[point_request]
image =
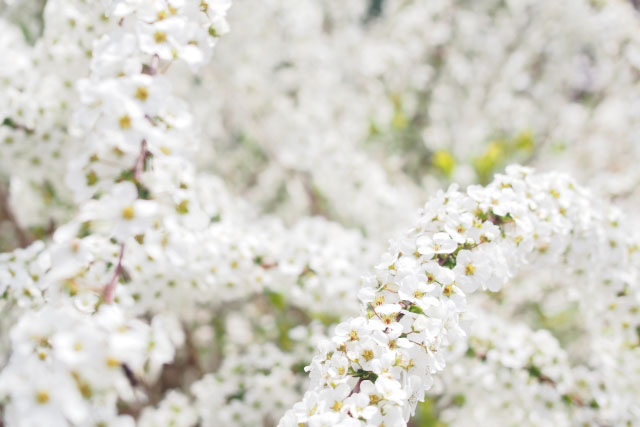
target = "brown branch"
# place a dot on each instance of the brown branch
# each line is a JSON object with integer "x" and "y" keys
{"x": 314, "y": 200}
{"x": 192, "y": 356}
{"x": 24, "y": 238}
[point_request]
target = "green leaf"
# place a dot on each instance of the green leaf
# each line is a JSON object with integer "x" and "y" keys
{"x": 416, "y": 309}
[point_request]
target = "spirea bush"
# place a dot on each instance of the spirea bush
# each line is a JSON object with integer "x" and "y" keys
{"x": 210, "y": 228}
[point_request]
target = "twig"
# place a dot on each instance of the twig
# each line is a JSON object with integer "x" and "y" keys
{"x": 142, "y": 157}
{"x": 356, "y": 388}
{"x": 109, "y": 289}
{"x": 24, "y": 239}
{"x": 18, "y": 126}
{"x": 151, "y": 69}
{"x": 314, "y": 200}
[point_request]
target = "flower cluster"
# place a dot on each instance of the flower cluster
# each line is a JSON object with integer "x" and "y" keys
{"x": 518, "y": 375}
{"x": 74, "y": 356}
{"x": 183, "y": 239}
{"x": 66, "y": 367}
{"x": 377, "y": 366}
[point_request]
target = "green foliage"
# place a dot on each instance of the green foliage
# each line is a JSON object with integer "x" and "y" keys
{"x": 415, "y": 309}
{"x": 444, "y": 162}
{"x": 365, "y": 375}
{"x": 501, "y": 151}
{"x": 374, "y": 10}
{"x": 426, "y": 415}
{"x": 325, "y": 318}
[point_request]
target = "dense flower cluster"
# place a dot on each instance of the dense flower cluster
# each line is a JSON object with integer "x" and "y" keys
{"x": 531, "y": 367}
{"x": 377, "y": 366}
{"x": 182, "y": 239}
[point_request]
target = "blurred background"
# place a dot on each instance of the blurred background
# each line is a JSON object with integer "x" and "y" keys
{"x": 359, "y": 110}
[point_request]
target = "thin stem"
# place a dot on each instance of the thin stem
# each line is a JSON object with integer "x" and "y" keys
{"x": 356, "y": 388}
{"x": 151, "y": 69}
{"x": 110, "y": 288}
{"x": 374, "y": 311}
{"x": 15, "y": 125}
{"x": 139, "y": 166}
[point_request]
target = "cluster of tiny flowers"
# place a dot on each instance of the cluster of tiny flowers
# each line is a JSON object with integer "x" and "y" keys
{"x": 151, "y": 237}
{"x": 590, "y": 301}
{"x": 159, "y": 297}
{"x": 77, "y": 356}
{"x": 259, "y": 377}
{"x": 67, "y": 368}
{"x": 509, "y": 372}
{"x": 175, "y": 410}
{"x": 377, "y": 366}
{"x": 39, "y": 97}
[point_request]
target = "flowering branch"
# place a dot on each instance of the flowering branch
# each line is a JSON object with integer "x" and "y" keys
{"x": 380, "y": 364}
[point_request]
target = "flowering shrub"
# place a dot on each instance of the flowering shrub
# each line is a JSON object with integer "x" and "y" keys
{"x": 199, "y": 237}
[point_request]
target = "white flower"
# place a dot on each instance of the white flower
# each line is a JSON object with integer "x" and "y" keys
{"x": 413, "y": 289}
{"x": 389, "y": 416}
{"x": 459, "y": 227}
{"x": 471, "y": 271}
{"x": 170, "y": 38}
{"x": 359, "y": 406}
{"x": 41, "y": 396}
{"x": 334, "y": 397}
{"x": 121, "y": 211}
{"x": 439, "y": 243}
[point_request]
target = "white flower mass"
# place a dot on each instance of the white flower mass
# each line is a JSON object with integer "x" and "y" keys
{"x": 319, "y": 213}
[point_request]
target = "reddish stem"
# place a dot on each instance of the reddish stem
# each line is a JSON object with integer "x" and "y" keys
{"x": 139, "y": 166}
{"x": 110, "y": 288}
{"x": 151, "y": 69}
{"x": 356, "y": 388}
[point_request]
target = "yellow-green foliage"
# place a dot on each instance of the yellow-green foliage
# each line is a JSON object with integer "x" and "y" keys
{"x": 426, "y": 415}
{"x": 502, "y": 151}
{"x": 444, "y": 162}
